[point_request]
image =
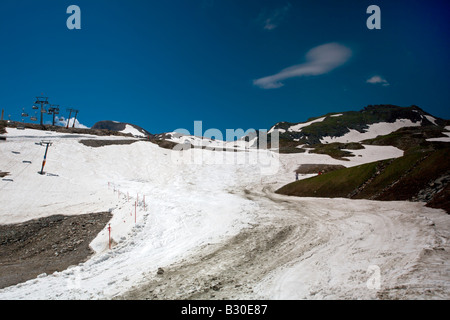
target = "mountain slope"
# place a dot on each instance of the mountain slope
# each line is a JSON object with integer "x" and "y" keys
{"x": 122, "y": 127}
{"x": 422, "y": 174}
{"x": 355, "y": 126}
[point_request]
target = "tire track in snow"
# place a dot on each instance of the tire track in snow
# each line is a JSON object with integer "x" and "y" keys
{"x": 312, "y": 249}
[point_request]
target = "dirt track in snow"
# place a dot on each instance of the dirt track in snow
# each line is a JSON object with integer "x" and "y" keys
{"x": 301, "y": 252}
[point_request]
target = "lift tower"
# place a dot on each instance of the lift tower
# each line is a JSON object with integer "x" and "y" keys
{"x": 53, "y": 109}
{"x": 68, "y": 119}
{"x": 75, "y": 119}
{"x": 43, "y": 101}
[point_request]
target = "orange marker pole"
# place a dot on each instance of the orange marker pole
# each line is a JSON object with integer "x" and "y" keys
{"x": 109, "y": 229}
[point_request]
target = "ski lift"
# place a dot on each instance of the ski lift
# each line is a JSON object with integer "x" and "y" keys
{"x": 24, "y": 114}
{"x": 33, "y": 118}
{"x": 35, "y": 107}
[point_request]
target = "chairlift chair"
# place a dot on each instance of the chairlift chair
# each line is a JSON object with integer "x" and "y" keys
{"x": 24, "y": 114}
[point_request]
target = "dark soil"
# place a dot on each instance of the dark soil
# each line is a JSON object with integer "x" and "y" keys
{"x": 102, "y": 143}
{"x": 46, "y": 245}
{"x": 315, "y": 168}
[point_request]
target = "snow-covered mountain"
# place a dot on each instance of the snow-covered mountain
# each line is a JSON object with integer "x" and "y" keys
{"x": 355, "y": 126}
{"x": 191, "y": 141}
{"x": 126, "y": 128}
{"x": 341, "y": 127}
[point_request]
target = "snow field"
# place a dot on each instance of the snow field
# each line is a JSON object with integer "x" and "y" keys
{"x": 361, "y": 241}
{"x": 135, "y": 132}
{"x": 374, "y": 130}
{"x": 186, "y": 206}
{"x": 199, "y": 197}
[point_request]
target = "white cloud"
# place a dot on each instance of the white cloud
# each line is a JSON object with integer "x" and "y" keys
{"x": 319, "y": 60}
{"x": 272, "y": 20}
{"x": 378, "y": 80}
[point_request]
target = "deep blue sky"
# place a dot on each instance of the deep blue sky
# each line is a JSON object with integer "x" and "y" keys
{"x": 165, "y": 64}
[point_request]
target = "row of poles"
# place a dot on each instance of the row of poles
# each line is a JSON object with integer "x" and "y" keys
{"x": 136, "y": 204}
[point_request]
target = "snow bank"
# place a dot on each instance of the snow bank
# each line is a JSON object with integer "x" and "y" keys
{"x": 363, "y": 250}
{"x": 431, "y": 119}
{"x": 374, "y": 130}
{"x": 187, "y": 205}
{"x": 196, "y": 141}
{"x": 133, "y": 131}
{"x": 298, "y": 127}
{"x": 442, "y": 139}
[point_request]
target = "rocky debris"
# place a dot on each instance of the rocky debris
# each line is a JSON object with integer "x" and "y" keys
{"x": 433, "y": 188}
{"x": 160, "y": 271}
{"x": 46, "y": 245}
{"x": 316, "y": 168}
{"x": 379, "y": 170}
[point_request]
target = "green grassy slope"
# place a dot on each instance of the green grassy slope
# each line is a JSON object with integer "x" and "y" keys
{"x": 338, "y": 183}
{"x": 396, "y": 179}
